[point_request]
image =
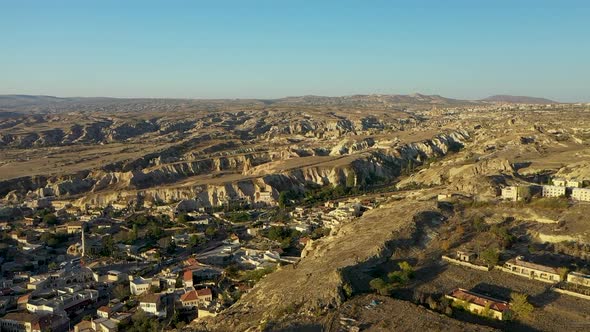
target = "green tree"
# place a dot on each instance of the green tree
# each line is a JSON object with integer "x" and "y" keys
{"x": 50, "y": 219}
{"x": 490, "y": 256}
{"x": 402, "y": 276}
{"x": 380, "y": 286}
{"x": 211, "y": 231}
{"x": 563, "y": 271}
{"x": 348, "y": 291}
{"x": 524, "y": 193}
{"x": 232, "y": 271}
{"x": 520, "y": 306}
{"x": 121, "y": 291}
{"x": 171, "y": 248}
{"x": 283, "y": 199}
{"x": 196, "y": 240}
{"x": 503, "y": 235}
{"x": 182, "y": 218}
{"x": 487, "y": 311}
{"x": 350, "y": 180}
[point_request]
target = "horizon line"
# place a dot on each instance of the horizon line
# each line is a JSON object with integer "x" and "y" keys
{"x": 290, "y": 96}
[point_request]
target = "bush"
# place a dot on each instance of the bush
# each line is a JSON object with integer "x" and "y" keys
{"x": 256, "y": 275}
{"x": 239, "y": 217}
{"x": 520, "y": 306}
{"x": 380, "y": 286}
{"x": 394, "y": 279}
{"x": 347, "y": 288}
{"x": 503, "y": 235}
{"x": 283, "y": 235}
{"x": 50, "y": 219}
{"x": 490, "y": 256}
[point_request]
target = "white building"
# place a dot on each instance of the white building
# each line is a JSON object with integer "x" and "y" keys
{"x": 510, "y": 193}
{"x": 553, "y": 191}
{"x": 571, "y": 183}
{"x": 581, "y": 194}
{"x": 579, "y": 279}
{"x": 66, "y": 299}
{"x": 152, "y": 304}
{"x": 574, "y": 183}
{"x": 139, "y": 285}
{"x": 265, "y": 198}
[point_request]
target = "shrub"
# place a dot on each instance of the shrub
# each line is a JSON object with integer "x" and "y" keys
{"x": 490, "y": 256}
{"x": 520, "y": 306}
{"x": 347, "y": 288}
{"x": 380, "y": 286}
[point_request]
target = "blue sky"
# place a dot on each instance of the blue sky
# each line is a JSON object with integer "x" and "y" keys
{"x": 267, "y": 49}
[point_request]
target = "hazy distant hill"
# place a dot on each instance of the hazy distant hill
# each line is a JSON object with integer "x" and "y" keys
{"x": 49, "y": 104}
{"x": 14, "y": 101}
{"x": 518, "y": 100}
{"x": 366, "y": 100}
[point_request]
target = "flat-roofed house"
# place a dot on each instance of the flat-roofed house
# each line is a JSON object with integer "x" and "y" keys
{"x": 553, "y": 191}
{"x": 75, "y": 227}
{"x": 581, "y": 194}
{"x": 574, "y": 183}
{"x": 466, "y": 255}
{"x": 559, "y": 182}
{"x": 139, "y": 285}
{"x": 578, "y": 278}
{"x": 510, "y": 193}
{"x": 532, "y": 270}
{"x": 28, "y": 322}
{"x": 478, "y": 303}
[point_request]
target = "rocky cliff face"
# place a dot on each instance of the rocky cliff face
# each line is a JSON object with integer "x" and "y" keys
{"x": 159, "y": 182}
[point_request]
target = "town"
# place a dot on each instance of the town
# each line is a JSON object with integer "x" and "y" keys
{"x": 470, "y": 214}
{"x": 125, "y": 267}
{"x": 122, "y": 266}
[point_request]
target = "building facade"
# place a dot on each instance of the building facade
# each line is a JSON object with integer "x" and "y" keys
{"x": 581, "y": 194}
{"x": 152, "y": 304}
{"x": 578, "y": 279}
{"x": 531, "y": 270}
{"x": 139, "y": 285}
{"x": 479, "y": 304}
{"x": 510, "y": 193}
{"x": 553, "y": 191}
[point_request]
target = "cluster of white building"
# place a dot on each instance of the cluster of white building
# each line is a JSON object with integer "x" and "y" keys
{"x": 330, "y": 215}
{"x": 67, "y": 299}
{"x": 258, "y": 259}
{"x": 560, "y": 188}
{"x": 66, "y": 277}
{"x": 524, "y": 268}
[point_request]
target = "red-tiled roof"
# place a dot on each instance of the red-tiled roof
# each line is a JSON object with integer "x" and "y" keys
{"x": 204, "y": 292}
{"x": 188, "y": 275}
{"x": 104, "y": 308}
{"x": 189, "y": 296}
{"x": 24, "y": 298}
{"x": 191, "y": 261}
{"x": 479, "y": 299}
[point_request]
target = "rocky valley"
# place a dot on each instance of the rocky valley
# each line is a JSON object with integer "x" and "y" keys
{"x": 428, "y": 175}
